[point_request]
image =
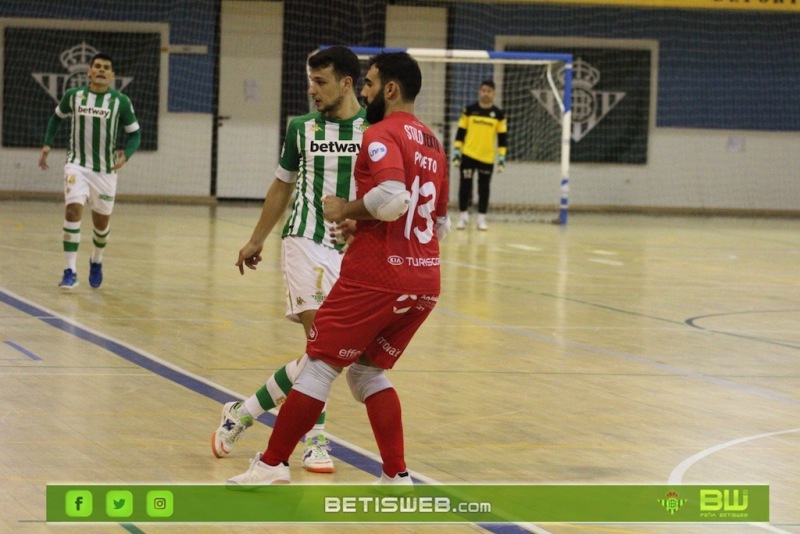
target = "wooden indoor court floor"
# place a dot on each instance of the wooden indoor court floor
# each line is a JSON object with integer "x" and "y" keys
{"x": 620, "y": 349}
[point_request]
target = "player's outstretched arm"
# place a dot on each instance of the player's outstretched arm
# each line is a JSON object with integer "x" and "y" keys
{"x": 43, "y": 158}
{"x": 52, "y": 129}
{"x": 275, "y": 203}
{"x": 336, "y": 209}
{"x": 121, "y": 160}
{"x": 249, "y": 255}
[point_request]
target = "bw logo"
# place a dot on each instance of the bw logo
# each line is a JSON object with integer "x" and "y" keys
{"x": 76, "y": 62}
{"x": 588, "y": 106}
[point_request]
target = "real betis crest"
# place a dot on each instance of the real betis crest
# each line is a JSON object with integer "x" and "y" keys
{"x": 672, "y": 502}
{"x": 76, "y": 63}
{"x": 589, "y": 105}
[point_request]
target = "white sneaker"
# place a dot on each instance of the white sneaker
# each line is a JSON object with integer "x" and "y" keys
{"x": 261, "y": 474}
{"x": 463, "y": 219}
{"x": 400, "y": 479}
{"x": 482, "y": 223}
{"x": 316, "y": 458}
{"x": 230, "y": 430}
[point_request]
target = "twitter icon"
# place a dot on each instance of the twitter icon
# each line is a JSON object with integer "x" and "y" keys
{"x": 119, "y": 503}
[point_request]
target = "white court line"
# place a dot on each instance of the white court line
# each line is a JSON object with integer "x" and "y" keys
{"x": 467, "y": 265}
{"x": 770, "y": 528}
{"x": 607, "y": 262}
{"x": 147, "y": 355}
{"x": 527, "y": 248}
{"x": 676, "y": 477}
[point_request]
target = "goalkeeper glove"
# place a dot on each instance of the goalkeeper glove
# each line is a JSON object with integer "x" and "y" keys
{"x": 501, "y": 164}
{"x": 456, "y": 158}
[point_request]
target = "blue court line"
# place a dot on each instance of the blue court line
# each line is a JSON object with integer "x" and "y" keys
{"x": 23, "y": 350}
{"x": 182, "y": 378}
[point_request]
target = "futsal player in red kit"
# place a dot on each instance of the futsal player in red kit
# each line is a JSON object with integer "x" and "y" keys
{"x": 389, "y": 280}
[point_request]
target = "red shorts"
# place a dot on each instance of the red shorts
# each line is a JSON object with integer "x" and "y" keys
{"x": 355, "y": 320}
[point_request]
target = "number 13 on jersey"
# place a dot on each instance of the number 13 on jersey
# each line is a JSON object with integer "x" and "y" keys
{"x": 424, "y": 210}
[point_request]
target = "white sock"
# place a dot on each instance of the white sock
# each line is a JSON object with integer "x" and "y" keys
{"x": 315, "y": 432}
{"x": 72, "y": 239}
{"x": 99, "y": 239}
{"x": 252, "y": 408}
{"x": 71, "y": 261}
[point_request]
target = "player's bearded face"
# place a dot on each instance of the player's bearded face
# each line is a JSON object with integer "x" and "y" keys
{"x": 376, "y": 108}
{"x": 326, "y": 90}
{"x": 486, "y": 95}
{"x": 332, "y": 105}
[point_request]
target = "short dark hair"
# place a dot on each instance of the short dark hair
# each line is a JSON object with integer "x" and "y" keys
{"x": 489, "y": 83}
{"x": 401, "y": 68}
{"x": 102, "y": 56}
{"x": 343, "y": 60}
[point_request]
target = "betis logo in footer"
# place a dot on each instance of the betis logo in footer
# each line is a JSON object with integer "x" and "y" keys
{"x": 75, "y": 61}
{"x": 672, "y": 502}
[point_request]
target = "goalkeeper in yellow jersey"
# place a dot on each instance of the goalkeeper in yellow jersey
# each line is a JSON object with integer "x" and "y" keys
{"x": 481, "y": 136}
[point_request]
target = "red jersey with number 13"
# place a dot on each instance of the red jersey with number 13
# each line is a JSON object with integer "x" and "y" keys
{"x": 403, "y": 255}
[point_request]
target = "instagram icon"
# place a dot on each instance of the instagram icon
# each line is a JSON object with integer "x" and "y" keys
{"x": 160, "y": 503}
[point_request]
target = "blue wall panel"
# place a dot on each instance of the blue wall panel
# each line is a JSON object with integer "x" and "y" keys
{"x": 717, "y": 69}
{"x": 191, "y": 77}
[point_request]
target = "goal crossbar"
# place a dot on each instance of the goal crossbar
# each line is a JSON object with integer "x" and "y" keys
{"x": 441, "y": 55}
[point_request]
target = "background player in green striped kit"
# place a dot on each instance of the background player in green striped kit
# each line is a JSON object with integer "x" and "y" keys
{"x": 97, "y": 111}
{"x": 317, "y": 159}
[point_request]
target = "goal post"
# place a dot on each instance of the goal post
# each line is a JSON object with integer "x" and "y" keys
{"x": 534, "y": 89}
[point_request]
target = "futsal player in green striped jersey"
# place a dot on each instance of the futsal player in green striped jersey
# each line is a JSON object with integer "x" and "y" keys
{"x": 90, "y": 173}
{"x": 317, "y": 159}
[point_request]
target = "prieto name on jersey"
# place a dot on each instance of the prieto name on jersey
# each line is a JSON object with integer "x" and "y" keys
{"x": 333, "y": 148}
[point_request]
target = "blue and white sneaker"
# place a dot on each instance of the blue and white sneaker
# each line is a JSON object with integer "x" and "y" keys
{"x": 231, "y": 429}
{"x": 95, "y": 274}
{"x": 70, "y": 279}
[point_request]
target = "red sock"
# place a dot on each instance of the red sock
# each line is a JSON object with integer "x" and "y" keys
{"x": 385, "y": 416}
{"x": 298, "y": 414}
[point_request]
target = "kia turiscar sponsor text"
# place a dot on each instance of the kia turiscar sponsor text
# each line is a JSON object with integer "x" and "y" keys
{"x": 412, "y": 261}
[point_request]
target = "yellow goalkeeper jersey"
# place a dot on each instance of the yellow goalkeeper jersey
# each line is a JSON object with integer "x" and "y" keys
{"x": 482, "y": 133}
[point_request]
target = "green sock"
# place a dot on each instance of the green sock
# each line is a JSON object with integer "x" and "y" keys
{"x": 273, "y": 393}
{"x": 245, "y": 416}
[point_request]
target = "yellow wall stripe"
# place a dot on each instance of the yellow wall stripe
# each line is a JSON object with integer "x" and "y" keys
{"x": 791, "y": 6}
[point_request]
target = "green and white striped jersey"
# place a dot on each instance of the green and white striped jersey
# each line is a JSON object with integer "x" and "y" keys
{"x": 95, "y": 124}
{"x": 319, "y": 154}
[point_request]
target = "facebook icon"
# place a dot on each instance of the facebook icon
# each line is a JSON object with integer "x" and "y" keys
{"x": 78, "y": 503}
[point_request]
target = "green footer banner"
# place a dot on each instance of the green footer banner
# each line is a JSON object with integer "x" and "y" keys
{"x": 407, "y": 504}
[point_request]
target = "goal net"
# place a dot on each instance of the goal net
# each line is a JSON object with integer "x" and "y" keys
{"x": 534, "y": 91}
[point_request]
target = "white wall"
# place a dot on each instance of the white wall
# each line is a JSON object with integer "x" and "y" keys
{"x": 708, "y": 169}
{"x": 180, "y": 167}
